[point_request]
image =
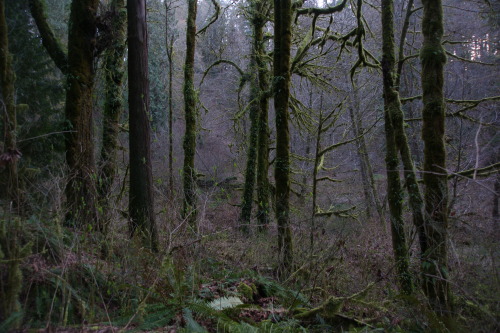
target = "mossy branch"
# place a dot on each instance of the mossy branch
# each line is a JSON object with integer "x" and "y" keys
{"x": 469, "y": 60}
{"x": 332, "y": 306}
{"x": 213, "y": 19}
{"x": 336, "y": 145}
{"x": 224, "y": 61}
{"x": 322, "y": 11}
{"x": 471, "y": 104}
{"x": 338, "y": 213}
{"x": 482, "y": 172}
{"x": 49, "y": 39}
{"x": 329, "y": 179}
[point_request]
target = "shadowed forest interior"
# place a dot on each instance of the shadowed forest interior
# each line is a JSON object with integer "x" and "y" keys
{"x": 249, "y": 165}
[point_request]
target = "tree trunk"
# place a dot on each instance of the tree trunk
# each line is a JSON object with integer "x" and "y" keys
{"x": 81, "y": 194}
{"x": 433, "y": 58}
{"x": 141, "y": 201}
{"x": 258, "y": 73}
{"x": 392, "y": 106}
{"x": 169, "y": 42}
{"x": 369, "y": 188}
{"x": 410, "y": 175}
{"x": 189, "y": 209}
{"x": 494, "y": 210}
{"x": 259, "y": 22}
{"x": 282, "y": 46}
{"x": 7, "y": 81}
{"x": 250, "y": 171}
{"x": 113, "y": 104}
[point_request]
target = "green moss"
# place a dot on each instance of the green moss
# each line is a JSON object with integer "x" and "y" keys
{"x": 247, "y": 290}
{"x": 13, "y": 248}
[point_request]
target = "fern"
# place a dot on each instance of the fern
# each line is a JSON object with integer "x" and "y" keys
{"x": 225, "y": 303}
{"x": 289, "y": 298}
{"x": 157, "y": 315}
{"x": 11, "y": 321}
{"x": 191, "y": 325}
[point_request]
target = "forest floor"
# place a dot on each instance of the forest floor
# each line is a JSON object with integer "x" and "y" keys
{"x": 218, "y": 279}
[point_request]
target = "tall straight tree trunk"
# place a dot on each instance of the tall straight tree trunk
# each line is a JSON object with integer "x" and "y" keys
{"x": 369, "y": 188}
{"x": 410, "y": 175}
{"x": 263, "y": 127}
{"x": 250, "y": 171}
{"x": 7, "y": 81}
{"x": 189, "y": 173}
{"x": 433, "y": 58}
{"x": 394, "y": 190}
{"x": 169, "y": 42}
{"x": 496, "y": 194}
{"x": 256, "y": 95}
{"x": 81, "y": 193}
{"x": 141, "y": 200}
{"x": 113, "y": 104}
{"x": 282, "y": 47}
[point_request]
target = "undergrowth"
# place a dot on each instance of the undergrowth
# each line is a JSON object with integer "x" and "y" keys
{"x": 55, "y": 277}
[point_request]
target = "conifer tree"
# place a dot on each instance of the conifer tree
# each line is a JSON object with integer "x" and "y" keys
{"x": 141, "y": 200}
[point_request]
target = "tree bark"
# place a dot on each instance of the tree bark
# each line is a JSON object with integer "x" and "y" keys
{"x": 433, "y": 58}
{"x": 369, "y": 188}
{"x": 494, "y": 210}
{"x": 259, "y": 22}
{"x": 257, "y": 111}
{"x": 7, "y": 81}
{"x": 410, "y": 175}
{"x": 189, "y": 208}
{"x": 81, "y": 194}
{"x": 250, "y": 171}
{"x": 169, "y": 42}
{"x": 282, "y": 49}
{"x": 141, "y": 200}
{"x": 392, "y": 107}
{"x": 113, "y": 104}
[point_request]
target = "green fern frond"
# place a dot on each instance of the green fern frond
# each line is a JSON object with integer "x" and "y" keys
{"x": 191, "y": 324}
{"x": 157, "y": 315}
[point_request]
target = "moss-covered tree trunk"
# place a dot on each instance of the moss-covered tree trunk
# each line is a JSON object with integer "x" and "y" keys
{"x": 7, "y": 81}
{"x": 113, "y": 104}
{"x": 12, "y": 250}
{"x": 189, "y": 173}
{"x": 250, "y": 171}
{"x": 394, "y": 190}
{"x": 415, "y": 198}
{"x": 141, "y": 200}
{"x": 257, "y": 111}
{"x": 78, "y": 65}
{"x": 169, "y": 43}
{"x": 433, "y": 58}
{"x": 259, "y": 22}
{"x": 496, "y": 197}
{"x": 281, "y": 88}
{"x": 81, "y": 194}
